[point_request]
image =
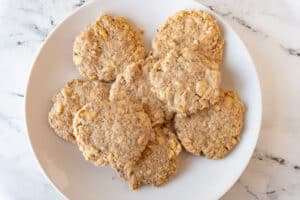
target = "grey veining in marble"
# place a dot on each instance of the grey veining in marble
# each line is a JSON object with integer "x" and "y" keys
{"x": 270, "y": 30}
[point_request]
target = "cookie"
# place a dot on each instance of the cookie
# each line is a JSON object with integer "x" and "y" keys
{"x": 185, "y": 81}
{"x": 195, "y": 29}
{"x": 106, "y": 46}
{"x": 115, "y": 133}
{"x": 158, "y": 162}
{"x": 215, "y": 131}
{"x": 134, "y": 84}
{"x": 69, "y": 100}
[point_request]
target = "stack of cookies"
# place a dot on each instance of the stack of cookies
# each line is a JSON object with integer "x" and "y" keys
{"x": 135, "y": 110}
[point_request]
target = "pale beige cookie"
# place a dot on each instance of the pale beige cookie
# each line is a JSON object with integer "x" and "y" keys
{"x": 106, "y": 46}
{"x": 115, "y": 132}
{"x": 133, "y": 83}
{"x": 69, "y": 100}
{"x": 185, "y": 81}
{"x": 195, "y": 29}
{"x": 158, "y": 162}
{"x": 215, "y": 131}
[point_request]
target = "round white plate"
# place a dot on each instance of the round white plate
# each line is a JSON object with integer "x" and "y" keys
{"x": 198, "y": 178}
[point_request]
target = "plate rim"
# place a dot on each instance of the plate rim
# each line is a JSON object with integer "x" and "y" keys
{"x": 257, "y": 129}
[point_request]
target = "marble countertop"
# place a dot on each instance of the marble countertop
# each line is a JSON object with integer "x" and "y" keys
{"x": 271, "y": 31}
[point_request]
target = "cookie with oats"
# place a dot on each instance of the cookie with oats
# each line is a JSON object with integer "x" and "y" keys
{"x": 185, "y": 81}
{"x": 215, "y": 131}
{"x": 158, "y": 163}
{"x": 106, "y": 46}
{"x": 69, "y": 100}
{"x": 194, "y": 29}
{"x": 115, "y": 133}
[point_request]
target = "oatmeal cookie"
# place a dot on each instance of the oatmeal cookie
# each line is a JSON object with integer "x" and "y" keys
{"x": 106, "y": 46}
{"x": 195, "y": 29}
{"x": 69, "y": 100}
{"x": 185, "y": 81}
{"x": 215, "y": 131}
{"x": 115, "y": 133}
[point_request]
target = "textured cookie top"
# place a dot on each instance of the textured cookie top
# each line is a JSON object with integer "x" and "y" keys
{"x": 158, "y": 162}
{"x": 194, "y": 29}
{"x": 214, "y": 131}
{"x": 115, "y": 132}
{"x": 106, "y": 46}
{"x": 185, "y": 81}
{"x": 69, "y": 100}
{"x": 134, "y": 84}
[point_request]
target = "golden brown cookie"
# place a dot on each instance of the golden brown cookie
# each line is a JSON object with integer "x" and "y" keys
{"x": 185, "y": 81}
{"x": 134, "y": 84}
{"x": 215, "y": 131}
{"x": 115, "y": 132}
{"x": 69, "y": 100}
{"x": 158, "y": 162}
{"x": 106, "y": 46}
{"x": 195, "y": 29}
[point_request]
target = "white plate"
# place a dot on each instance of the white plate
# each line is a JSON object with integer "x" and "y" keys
{"x": 198, "y": 178}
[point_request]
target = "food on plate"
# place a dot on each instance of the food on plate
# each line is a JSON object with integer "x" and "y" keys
{"x": 69, "y": 100}
{"x": 213, "y": 132}
{"x": 137, "y": 110}
{"x": 112, "y": 132}
{"x": 185, "y": 81}
{"x": 194, "y": 29}
{"x": 106, "y": 46}
{"x": 158, "y": 163}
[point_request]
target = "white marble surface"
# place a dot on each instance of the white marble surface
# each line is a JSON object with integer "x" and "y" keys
{"x": 271, "y": 31}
